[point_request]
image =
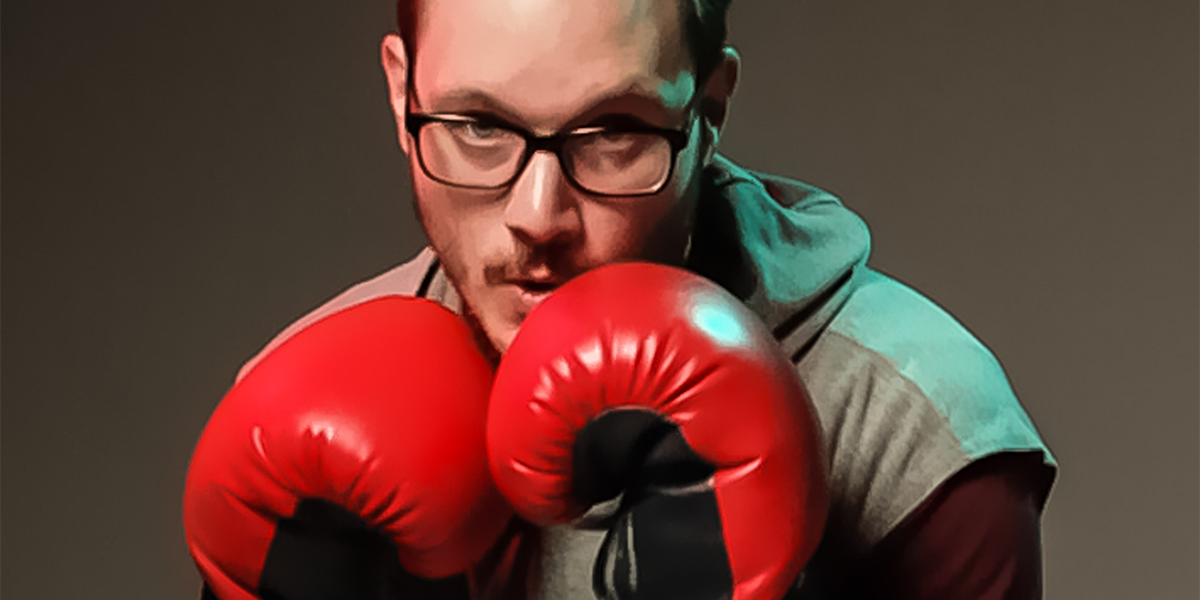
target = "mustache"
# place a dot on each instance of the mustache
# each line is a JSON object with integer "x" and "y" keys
{"x": 527, "y": 264}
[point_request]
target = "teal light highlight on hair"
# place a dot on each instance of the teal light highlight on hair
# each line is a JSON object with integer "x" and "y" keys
{"x": 677, "y": 93}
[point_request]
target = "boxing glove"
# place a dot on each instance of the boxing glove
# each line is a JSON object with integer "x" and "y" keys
{"x": 349, "y": 463}
{"x": 652, "y": 389}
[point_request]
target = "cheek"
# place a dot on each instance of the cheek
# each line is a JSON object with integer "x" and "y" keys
{"x": 654, "y": 228}
{"x": 460, "y": 227}
{"x": 631, "y": 230}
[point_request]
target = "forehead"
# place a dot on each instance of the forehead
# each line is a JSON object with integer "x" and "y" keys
{"x": 546, "y": 60}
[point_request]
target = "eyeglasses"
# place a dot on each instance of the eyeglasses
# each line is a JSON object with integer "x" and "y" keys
{"x": 475, "y": 152}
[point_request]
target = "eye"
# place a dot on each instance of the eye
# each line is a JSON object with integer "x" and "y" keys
{"x": 616, "y": 143}
{"x": 472, "y": 131}
{"x": 614, "y": 140}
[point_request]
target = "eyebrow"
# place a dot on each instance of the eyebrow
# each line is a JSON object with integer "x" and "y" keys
{"x": 631, "y": 101}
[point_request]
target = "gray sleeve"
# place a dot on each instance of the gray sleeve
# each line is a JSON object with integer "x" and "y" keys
{"x": 906, "y": 398}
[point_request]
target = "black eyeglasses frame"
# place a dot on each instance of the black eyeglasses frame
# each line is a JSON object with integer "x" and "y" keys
{"x": 554, "y": 143}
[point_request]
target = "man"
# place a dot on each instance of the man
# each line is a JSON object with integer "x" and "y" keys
{"x": 547, "y": 138}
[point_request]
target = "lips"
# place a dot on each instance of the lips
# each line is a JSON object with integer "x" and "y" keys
{"x": 531, "y": 293}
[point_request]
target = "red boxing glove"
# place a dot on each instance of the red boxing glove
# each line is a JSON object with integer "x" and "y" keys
{"x": 654, "y": 385}
{"x": 354, "y": 450}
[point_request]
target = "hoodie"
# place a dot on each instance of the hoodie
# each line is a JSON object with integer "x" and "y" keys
{"x": 905, "y": 396}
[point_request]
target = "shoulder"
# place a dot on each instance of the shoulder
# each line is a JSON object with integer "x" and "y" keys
{"x": 404, "y": 280}
{"x": 907, "y": 397}
{"x": 927, "y": 350}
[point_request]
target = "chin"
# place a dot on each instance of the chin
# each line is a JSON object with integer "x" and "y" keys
{"x": 501, "y": 336}
{"x": 492, "y": 334}
{"x": 499, "y": 325}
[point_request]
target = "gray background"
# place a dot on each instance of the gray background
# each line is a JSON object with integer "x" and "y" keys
{"x": 181, "y": 179}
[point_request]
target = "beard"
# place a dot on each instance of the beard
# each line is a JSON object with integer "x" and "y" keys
{"x": 482, "y": 341}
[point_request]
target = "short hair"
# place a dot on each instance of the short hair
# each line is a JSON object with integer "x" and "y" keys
{"x": 705, "y": 30}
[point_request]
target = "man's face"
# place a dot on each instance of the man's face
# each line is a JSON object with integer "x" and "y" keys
{"x": 549, "y": 66}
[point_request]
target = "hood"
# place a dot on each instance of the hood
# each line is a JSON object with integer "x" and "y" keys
{"x": 790, "y": 251}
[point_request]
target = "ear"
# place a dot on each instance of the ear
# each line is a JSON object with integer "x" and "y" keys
{"x": 718, "y": 91}
{"x": 395, "y": 67}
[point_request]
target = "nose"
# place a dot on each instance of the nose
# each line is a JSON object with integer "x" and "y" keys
{"x": 541, "y": 209}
